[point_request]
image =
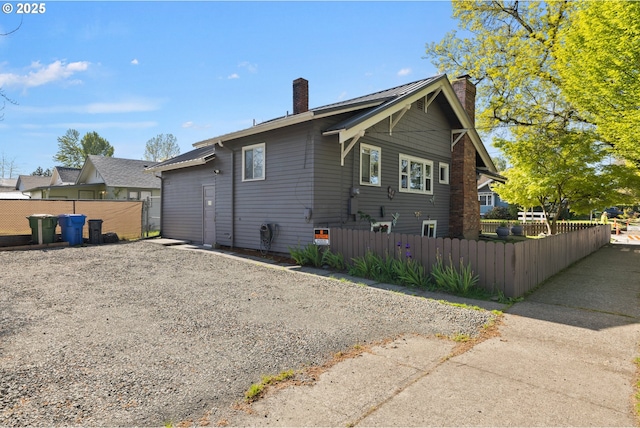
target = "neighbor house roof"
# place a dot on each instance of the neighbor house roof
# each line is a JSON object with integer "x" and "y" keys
{"x": 28, "y": 182}
{"x": 198, "y": 156}
{"x": 66, "y": 175}
{"x": 118, "y": 172}
{"x": 372, "y": 109}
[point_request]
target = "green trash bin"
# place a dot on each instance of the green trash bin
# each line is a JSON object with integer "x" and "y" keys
{"x": 43, "y": 228}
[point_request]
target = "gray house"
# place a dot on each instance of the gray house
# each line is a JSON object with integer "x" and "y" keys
{"x": 405, "y": 158}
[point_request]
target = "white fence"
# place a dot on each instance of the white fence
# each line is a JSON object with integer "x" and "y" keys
{"x": 531, "y": 216}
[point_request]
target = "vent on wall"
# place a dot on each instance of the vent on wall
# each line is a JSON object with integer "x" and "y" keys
{"x": 420, "y": 104}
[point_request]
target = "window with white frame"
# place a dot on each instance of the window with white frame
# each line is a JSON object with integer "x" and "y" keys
{"x": 415, "y": 175}
{"x": 444, "y": 173}
{"x": 253, "y": 162}
{"x": 486, "y": 199}
{"x": 370, "y": 159}
{"x": 429, "y": 228}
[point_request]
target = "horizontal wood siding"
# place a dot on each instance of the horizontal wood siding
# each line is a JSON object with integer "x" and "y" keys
{"x": 511, "y": 268}
{"x": 182, "y": 202}
{"x": 283, "y": 196}
{"x": 418, "y": 134}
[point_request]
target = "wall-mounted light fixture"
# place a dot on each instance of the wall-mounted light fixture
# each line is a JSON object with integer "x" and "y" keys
{"x": 216, "y": 171}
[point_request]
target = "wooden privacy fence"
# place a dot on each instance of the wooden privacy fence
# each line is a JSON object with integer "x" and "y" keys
{"x": 121, "y": 217}
{"x": 513, "y": 268}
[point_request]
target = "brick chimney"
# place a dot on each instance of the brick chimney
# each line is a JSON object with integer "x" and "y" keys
{"x": 300, "y": 95}
{"x": 464, "y": 219}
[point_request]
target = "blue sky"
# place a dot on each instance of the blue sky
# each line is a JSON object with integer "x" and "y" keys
{"x": 133, "y": 70}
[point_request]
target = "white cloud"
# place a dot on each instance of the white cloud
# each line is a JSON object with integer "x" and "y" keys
{"x": 105, "y": 125}
{"x": 44, "y": 74}
{"x": 404, "y": 72}
{"x": 192, "y": 125}
{"x": 135, "y": 61}
{"x": 233, "y": 76}
{"x": 129, "y": 106}
{"x": 122, "y": 107}
{"x": 251, "y": 68}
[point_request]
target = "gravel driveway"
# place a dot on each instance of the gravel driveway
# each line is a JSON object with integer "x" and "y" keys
{"x": 140, "y": 334}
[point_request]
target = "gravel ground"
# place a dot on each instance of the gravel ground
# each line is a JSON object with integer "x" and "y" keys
{"x": 140, "y": 334}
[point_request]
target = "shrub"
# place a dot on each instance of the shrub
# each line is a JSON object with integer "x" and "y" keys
{"x": 498, "y": 213}
{"x": 402, "y": 270}
{"x": 448, "y": 278}
{"x": 333, "y": 260}
{"x": 309, "y": 255}
{"x": 368, "y": 266}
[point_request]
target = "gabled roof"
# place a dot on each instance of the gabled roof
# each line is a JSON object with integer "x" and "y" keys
{"x": 28, "y": 182}
{"x": 118, "y": 172}
{"x": 371, "y": 109}
{"x": 67, "y": 175}
{"x": 198, "y": 156}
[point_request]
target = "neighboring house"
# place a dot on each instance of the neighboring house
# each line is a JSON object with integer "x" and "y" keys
{"x": 26, "y": 184}
{"x": 487, "y": 197}
{"x": 409, "y": 152}
{"x": 64, "y": 176}
{"x": 9, "y": 189}
{"x": 101, "y": 177}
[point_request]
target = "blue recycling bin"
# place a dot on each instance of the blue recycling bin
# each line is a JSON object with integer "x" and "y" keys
{"x": 71, "y": 227}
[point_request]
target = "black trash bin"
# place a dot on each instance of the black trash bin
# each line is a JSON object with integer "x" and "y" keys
{"x": 95, "y": 231}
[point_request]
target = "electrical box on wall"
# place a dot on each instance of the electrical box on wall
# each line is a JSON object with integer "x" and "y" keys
{"x": 353, "y": 206}
{"x": 321, "y": 236}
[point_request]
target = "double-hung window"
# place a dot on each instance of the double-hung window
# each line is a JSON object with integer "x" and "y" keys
{"x": 253, "y": 162}
{"x": 370, "y": 165}
{"x": 416, "y": 175}
{"x": 486, "y": 199}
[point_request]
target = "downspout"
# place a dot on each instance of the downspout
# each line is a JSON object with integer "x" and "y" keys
{"x": 233, "y": 194}
{"x": 233, "y": 199}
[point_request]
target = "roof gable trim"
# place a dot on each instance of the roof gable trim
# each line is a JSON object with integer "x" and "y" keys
{"x": 179, "y": 165}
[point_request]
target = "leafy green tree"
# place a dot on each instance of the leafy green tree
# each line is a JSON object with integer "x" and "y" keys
{"x": 72, "y": 153}
{"x": 510, "y": 56}
{"x": 556, "y": 160}
{"x": 69, "y": 150}
{"x": 42, "y": 172}
{"x": 94, "y": 144}
{"x": 161, "y": 147}
{"x": 568, "y": 172}
{"x": 500, "y": 163}
{"x": 599, "y": 62}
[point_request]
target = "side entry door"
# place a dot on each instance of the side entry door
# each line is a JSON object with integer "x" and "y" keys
{"x": 209, "y": 215}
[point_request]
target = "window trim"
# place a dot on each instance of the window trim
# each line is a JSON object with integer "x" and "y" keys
{"x": 370, "y": 147}
{"x": 264, "y": 161}
{"x": 443, "y": 166}
{"x": 424, "y": 162}
{"x": 435, "y": 227}
{"x": 486, "y": 194}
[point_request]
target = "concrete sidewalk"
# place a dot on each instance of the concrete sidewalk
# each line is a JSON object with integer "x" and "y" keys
{"x": 563, "y": 357}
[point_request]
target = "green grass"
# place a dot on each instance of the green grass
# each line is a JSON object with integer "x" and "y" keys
{"x": 257, "y": 389}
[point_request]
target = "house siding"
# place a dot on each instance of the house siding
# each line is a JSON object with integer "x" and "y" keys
{"x": 303, "y": 172}
{"x": 280, "y": 199}
{"x": 418, "y": 134}
{"x": 182, "y": 202}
